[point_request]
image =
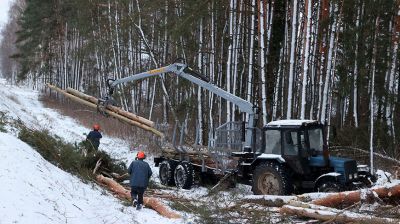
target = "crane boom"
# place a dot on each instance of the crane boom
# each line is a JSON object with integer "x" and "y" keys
{"x": 184, "y": 71}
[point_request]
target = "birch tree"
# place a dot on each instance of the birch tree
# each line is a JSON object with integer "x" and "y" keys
{"x": 261, "y": 20}
{"x": 292, "y": 60}
{"x": 372, "y": 97}
{"x": 305, "y": 58}
{"x": 329, "y": 65}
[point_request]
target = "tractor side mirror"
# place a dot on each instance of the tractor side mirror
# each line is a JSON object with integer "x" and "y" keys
{"x": 325, "y": 154}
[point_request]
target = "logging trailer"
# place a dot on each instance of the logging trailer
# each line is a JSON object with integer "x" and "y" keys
{"x": 283, "y": 157}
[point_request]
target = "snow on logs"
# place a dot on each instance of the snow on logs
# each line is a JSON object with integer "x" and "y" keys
{"x": 350, "y": 197}
{"x": 150, "y": 202}
{"x": 325, "y": 208}
{"x": 331, "y": 214}
{"x": 113, "y": 111}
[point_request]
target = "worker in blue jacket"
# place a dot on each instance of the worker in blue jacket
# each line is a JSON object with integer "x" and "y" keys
{"x": 140, "y": 173}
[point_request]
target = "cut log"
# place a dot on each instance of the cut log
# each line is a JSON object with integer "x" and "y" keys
{"x": 108, "y": 111}
{"x": 110, "y": 107}
{"x": 332, "y": 215}
{"x": 351, "y": 197}
{"x": 150, "y": 202}
{"x": 197, "y": 157}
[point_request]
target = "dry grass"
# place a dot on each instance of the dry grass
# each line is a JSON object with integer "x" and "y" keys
{"x": 109, "y": 126}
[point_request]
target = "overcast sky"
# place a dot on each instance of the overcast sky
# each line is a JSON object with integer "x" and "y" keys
{"x": 4, "y": 6}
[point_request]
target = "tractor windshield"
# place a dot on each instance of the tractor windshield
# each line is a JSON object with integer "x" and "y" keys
{"x": 316, "y": 139}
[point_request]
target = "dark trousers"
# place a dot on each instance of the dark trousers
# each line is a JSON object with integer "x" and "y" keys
{"x": 137, "y": 193}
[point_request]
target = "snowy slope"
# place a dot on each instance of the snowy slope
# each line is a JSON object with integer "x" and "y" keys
{"x": 22, "y": 103}
{"x": 35, "y": 191}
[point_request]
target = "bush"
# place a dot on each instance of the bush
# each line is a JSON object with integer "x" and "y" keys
{"x": 69, "y": 157}
{"x": 108, "y": 164}
{"x": 47, "y": 145}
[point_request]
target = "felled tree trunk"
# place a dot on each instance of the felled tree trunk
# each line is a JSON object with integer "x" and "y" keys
{"x": 108, "y": 111}
{"x": 330, "y": 214}
{"x": 110, "y": 107}
{"x": 351, "y": 197}
{"x": 150, "y": 202}
{"x": 271, "y": 200}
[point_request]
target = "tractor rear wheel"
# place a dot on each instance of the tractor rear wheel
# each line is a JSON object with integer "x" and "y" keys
{"x": 166, "y": 172}
{"x": 183, "y": 175}
{"x": 271, "y": 178}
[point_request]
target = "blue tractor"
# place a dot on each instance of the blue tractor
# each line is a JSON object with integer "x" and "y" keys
{"x": 293, "y": 157}
{"x": 286, "y": 157}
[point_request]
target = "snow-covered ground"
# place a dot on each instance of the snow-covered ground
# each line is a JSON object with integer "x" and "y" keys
{"x": 33, "y": 190}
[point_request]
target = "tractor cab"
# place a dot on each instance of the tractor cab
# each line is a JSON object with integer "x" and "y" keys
{"x": 300, "y": 147}
{"x": 297, "y": 141}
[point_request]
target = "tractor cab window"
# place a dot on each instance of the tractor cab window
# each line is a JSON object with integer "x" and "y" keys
{"x": 290, "y": 142}
{"x": 273, "y": 142}
{"x": 316, "y": 139}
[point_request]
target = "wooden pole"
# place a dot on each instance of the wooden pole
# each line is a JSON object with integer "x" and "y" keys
{"x": 108, "y": 111}
{"x": 112, "y": 108}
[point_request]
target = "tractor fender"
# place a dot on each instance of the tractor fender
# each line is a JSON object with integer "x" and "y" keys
{"x": 276, "y": 157}
{"x": 267, "y": 157}
{"x": 331, "y": 175}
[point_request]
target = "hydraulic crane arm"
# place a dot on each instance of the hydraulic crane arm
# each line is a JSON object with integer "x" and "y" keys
{"x": 182, "y": 70}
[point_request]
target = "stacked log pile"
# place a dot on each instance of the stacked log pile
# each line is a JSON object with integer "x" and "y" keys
{"x": 197, "y": 157}
{"x": 351, "y": 197}
{"x": 110, "y": 110}
{"x": 331, "y": 214}
{"x": 325, "y": 208}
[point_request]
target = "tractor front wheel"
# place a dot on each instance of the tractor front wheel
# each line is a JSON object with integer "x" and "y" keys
{"x": 367, "y": 179}
{"x": 329, "y": 186}
{"x": 271, "y": 178}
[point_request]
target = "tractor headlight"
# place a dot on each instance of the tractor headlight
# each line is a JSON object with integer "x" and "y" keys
{"x": 355, "y": 175}
{"x": 350, "y": 176}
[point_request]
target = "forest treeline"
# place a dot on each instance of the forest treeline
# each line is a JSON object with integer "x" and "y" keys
{"x": 335, "y": 61}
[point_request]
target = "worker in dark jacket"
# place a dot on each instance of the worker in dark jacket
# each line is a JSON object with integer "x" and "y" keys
{"x": 95, "y": 136}
{"x": 140, "y": 174}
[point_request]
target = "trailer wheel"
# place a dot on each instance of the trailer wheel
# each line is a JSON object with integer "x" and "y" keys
{"x": 271, "y": 178}
{"x": 183, "y": 175}
{"x": 166, "y": 173}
